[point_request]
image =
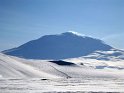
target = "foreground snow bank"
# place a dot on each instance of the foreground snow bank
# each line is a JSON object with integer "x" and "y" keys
{"x": 10, "y": 67}
{"x": 23, "y": 68}
{"x": 71, "y": 85}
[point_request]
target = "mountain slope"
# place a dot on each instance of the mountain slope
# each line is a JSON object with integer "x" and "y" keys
{"x": 61, "y": 46}
{"x": 10, "y": 67}
{"x": 13, "y": 67}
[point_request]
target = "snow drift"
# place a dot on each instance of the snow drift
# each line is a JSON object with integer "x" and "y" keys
{"x": 22, "y": 68}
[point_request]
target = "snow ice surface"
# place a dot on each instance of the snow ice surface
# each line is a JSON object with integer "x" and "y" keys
{"x": 19, "y": 75}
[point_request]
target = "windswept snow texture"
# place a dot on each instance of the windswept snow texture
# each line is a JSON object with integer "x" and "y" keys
{"x": 10, "y": 67}
{"x": 23, "y": 68}
{"x": 61, "y": 46}
{"x": 19, "y": 75}
{"x": 71, "y": 85}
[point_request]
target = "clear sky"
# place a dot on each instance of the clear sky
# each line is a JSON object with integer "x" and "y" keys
{"x": 25, "y": 20}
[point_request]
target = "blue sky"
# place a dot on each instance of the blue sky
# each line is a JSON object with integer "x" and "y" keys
{"x": 25, "y": 20}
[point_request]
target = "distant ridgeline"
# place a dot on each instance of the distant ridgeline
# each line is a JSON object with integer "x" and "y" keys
{"x": 60, "y": 46}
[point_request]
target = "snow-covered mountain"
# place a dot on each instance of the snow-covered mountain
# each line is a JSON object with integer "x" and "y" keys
{"x": 86, "y": 63}
{"x": 66, "y": 45}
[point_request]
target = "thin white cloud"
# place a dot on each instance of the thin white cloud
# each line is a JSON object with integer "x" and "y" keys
{"x": 116, "y": 40}
{"x": 112, "y": 36}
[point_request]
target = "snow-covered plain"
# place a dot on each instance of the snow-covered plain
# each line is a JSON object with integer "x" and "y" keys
{"x": 19, "y": 75}
{"x": 76, "y": 85}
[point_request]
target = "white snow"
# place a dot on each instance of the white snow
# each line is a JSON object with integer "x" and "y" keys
{"x": 93, "y": 63}
{"x": 111, "y": 55}
{"x": 72, "y": 85}
{"x": 17, "y": 67}
{"x": 0, "y": 76}
{"x": 19, "y": 75}
{"x": 10, "y": 67}
{"x": 76, "y": 33}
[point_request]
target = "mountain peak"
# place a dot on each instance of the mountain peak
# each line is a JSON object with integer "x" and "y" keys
{"x": 66, "y": 45}
{"x": 72, "y": 33}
